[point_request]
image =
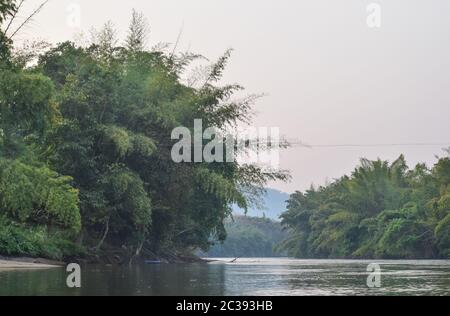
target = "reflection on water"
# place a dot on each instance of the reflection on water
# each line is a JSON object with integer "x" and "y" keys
{"x": 245, "y": 277}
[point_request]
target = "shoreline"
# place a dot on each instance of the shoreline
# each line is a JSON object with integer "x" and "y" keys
{"x": 27, "y": 263}
{"x": 12, "y": 263}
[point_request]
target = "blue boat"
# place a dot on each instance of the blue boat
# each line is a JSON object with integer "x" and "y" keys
{"x": 153, "y": 262}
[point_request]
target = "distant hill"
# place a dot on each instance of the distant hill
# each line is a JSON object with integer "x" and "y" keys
{"x": 249, "y": 237}
{"x": 274, "y": 204}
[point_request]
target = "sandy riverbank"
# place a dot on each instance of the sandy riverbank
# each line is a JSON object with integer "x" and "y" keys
{"x": 27, "y": 263}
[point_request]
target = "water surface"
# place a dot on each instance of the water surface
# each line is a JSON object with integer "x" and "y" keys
{"x": 263, "y": 277}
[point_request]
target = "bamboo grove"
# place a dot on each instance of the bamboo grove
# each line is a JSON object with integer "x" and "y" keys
{"x": 85, "y": 164}
{"x": 381, "y": 211}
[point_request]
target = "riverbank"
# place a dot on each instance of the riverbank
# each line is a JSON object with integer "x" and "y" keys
{"x": 113, "y": 256}
{"x": 105, "y": 258}
{"x": 27, "y": 263}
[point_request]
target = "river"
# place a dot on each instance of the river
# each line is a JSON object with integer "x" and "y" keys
{"x": 259, "y": 277}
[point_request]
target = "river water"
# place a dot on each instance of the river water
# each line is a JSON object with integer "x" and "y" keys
{"x": 254, "y": 277}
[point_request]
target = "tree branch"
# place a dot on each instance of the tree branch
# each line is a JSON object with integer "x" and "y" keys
{"x": 13, "y": 17}
{"x": 29, "y": 18}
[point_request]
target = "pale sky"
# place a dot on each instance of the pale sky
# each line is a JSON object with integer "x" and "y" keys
{"x": 329, "y": 78}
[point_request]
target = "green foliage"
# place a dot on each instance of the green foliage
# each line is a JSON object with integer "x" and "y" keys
{"x": 34, "y": 199}
{"x": 85, "y": 149}
{"x": 38, "y": 194}
{"x": 382, "y": 211}
{"x": 30, "y": 110}
{"x": 128, "y": 200}
{"x": 124, "y": 143}
{"x": 7, "y": 7}
{"x": 442, "y": 233}
{"x": 35, "y": 241}
{"x": 219, "y": 186}
{"x": 137, "y": 33}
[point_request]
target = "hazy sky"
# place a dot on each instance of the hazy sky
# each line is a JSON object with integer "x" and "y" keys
{"x": 330, "y": 79}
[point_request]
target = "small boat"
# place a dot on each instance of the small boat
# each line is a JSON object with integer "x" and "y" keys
{"x": 153, "y": 262}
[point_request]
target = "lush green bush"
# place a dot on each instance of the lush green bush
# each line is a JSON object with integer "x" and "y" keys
{"x": 20, "y": 240}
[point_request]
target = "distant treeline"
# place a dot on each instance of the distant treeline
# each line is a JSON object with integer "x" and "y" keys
{"x": 381, "y": 211}
{"x": 85, "y": 148}
{"x": 250, "y": 237}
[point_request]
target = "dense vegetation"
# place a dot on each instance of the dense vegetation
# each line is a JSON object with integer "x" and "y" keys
{"x": 86, "y": 168}
{"x": 85, "y": 149}
{"x": 250, "y": 237}
{"x": 381, "y": 211}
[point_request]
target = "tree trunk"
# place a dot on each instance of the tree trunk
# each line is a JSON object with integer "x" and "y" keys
{"x": 105, "y": 234}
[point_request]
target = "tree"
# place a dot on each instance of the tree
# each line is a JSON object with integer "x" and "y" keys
{"x": 34, "y": 199}
{"x": 119, "y": 106}
{"x": 86, "y": 140}
{"x": 382, "y": 211}
{"x": 7, "y": 8}
{"x": 137, "y": 33}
